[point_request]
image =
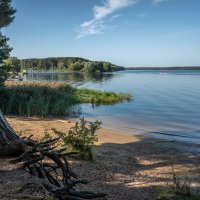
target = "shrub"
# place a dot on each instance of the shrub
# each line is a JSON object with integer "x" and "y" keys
{"x": 81, "y": 137}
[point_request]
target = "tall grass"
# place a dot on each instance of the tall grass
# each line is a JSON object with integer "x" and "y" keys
{"x": 37, "y": 99}
{"x": 41, "y": 99}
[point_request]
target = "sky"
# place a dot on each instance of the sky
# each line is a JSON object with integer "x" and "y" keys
{"x": 130, "y": 33}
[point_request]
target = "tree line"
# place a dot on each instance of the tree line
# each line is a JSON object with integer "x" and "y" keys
{"x": 67, "y": 64}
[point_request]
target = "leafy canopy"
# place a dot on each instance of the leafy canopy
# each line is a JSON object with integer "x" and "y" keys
{"x": 14, "y": 64}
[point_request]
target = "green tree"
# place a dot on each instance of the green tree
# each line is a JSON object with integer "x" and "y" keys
{"x": 68, "y": 64}
{"x": 89, "y": 67}
{"x": 107, "y": 67}
{"x": 14, "y": 64}
{"x": 4, "y": 53}
{"x": 77, "y": 66}
{"x": 61, "y": 64}
{"x": 6, "y": 17}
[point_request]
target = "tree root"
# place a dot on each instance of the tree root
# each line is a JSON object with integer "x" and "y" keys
{"x": 32, "y": 156}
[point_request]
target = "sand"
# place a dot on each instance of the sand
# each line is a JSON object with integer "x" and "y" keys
{"x": 127, "y": 166}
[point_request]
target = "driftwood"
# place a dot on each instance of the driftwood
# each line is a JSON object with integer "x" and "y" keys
{"x": 44, "y": 161}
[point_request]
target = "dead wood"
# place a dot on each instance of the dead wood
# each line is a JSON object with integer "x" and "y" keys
{"x": 43, "y": 160}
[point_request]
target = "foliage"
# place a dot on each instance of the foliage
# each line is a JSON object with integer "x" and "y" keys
{"x": 6, "y": 17}
{"x": 81, "y": 137}
{"x": 77, "y": 66}
{"x": 14, "y": 64}
{"x": 97, "y": 97}
{"x": 6, "y": 13}
{"x": 37, "y": 99}
{"x": 41, "y": 99}
{"x": 67, "y": 64}
{"x": 3, "y": 74}
{"x": 4, "y": 48}
{"x": 4, "y": 53}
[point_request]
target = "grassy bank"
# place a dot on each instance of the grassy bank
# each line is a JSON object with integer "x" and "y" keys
{"x": 41, "y": 99}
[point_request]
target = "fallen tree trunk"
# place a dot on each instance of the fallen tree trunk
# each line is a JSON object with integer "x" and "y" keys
{"x": 44, "y": 161}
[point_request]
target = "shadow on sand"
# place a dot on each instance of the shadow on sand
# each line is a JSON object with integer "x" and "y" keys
{"x": 131, "y": 171}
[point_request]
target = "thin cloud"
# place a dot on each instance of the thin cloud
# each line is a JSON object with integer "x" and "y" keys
{"x": 114, "y": 17}
{"x": 100, "y": 21}
{"x": 109, "y": 7}
{"x": 98, "y": 24}
{"x": 159, "y": 1}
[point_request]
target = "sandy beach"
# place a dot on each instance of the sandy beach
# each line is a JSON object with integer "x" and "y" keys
{"x": 126, "y": 166}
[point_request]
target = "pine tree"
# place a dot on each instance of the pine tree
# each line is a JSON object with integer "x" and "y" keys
{"x": 6, "y": 17}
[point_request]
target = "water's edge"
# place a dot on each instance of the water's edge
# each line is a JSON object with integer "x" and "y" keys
{"x": 166, "y": 103}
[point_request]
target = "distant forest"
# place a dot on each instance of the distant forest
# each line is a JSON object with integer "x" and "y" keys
{"x": 164, "y": 68}
{"x": 67, "y": 64}
{"x": 63, "y": 64}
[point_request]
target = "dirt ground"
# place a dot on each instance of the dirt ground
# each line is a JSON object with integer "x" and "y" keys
{"x": 126, "y": 166}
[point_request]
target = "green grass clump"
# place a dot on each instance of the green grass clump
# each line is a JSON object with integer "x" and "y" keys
{"x": 41, "y": 99}
{"x": 101, "y": 97}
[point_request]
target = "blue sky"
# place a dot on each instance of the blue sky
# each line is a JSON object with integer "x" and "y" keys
{"x": 124, "y": 32}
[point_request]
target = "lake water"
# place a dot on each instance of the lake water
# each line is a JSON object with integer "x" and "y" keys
{"x": 166, "y": 104}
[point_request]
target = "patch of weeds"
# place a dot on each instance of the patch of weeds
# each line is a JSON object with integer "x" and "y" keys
{"x": 168, "y": 193}
{"x": 179, "y": 189}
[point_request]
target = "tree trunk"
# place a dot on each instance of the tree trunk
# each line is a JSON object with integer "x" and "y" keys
{"x": 7, "y": 134}
{"x": 10, "y": 142}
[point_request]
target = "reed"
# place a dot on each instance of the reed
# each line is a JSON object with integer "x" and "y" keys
{"x": 50, "y": 98}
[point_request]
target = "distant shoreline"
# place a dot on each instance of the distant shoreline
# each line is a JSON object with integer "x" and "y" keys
{"x": 125, "y": 69}
{"x": 76, "y": 64}
{"x": 163, "y": 68}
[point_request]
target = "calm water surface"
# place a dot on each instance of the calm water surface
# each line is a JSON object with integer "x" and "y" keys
{"x": 166, "y": 104}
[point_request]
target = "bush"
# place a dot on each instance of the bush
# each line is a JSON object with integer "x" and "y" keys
{"x": 80, "y": 138}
